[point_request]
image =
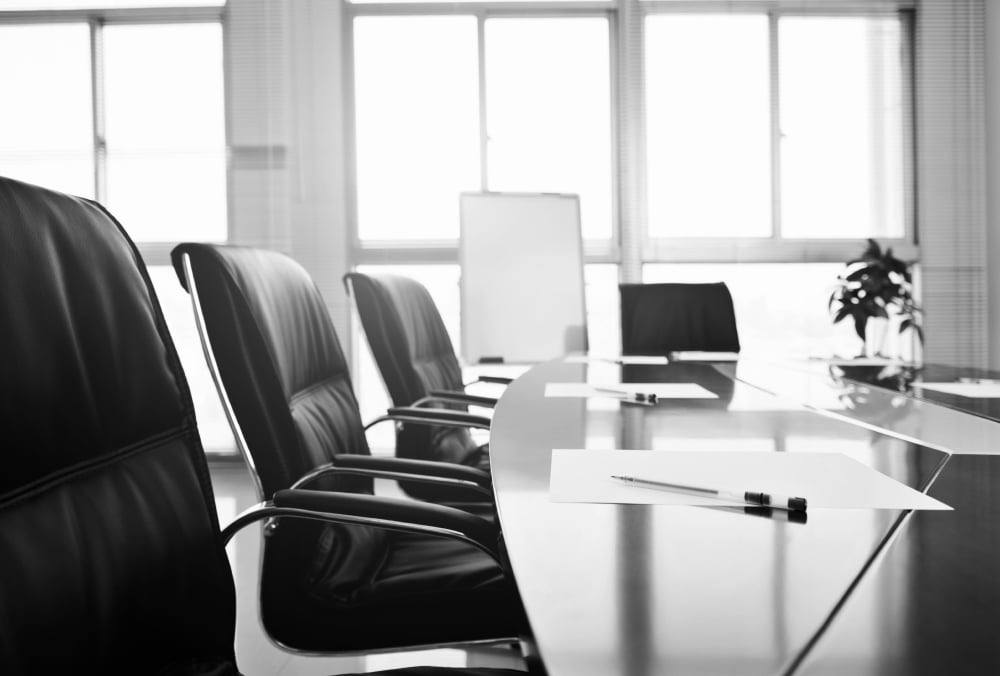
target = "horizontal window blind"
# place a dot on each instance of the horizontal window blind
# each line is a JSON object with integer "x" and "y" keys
{"x": 951, "y": 176}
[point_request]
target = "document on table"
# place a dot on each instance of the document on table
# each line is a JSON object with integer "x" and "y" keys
{"x": 625, "y": 360}
{"x": 980, "y": 390}
{"x": 858, "y": 361}
{"x": 661, "y": 390}
{"x": 699, "y": 355}
{"x": 825, "y": 480}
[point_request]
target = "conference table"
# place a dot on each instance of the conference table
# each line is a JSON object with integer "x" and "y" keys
{"x": 640, "y": 589}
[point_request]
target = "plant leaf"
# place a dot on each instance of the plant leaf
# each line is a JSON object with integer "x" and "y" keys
{"x": 873, "y": 252}
{"x": 860, "y": 319}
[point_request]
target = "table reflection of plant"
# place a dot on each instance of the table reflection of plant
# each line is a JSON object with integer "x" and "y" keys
{"x": 856, "y": 384}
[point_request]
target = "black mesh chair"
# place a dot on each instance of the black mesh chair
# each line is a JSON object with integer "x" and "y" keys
{"x": 657, "y": 319}
{"x": 418, "y": 365}
{"x": 284, "y": 380}
{"x": 111, "y": 556}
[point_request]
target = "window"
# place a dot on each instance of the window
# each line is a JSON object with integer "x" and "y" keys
{"x": 165, "y": 130}
{"x": 801, "y": 113}
{"x": 118, "y": 112}
{"x": 422, "y": 137}
{"x": 417, "y": 117}
{"x": 708, "y": 128}
{"x": 841, "y": 127}
{"x": 548, "y": 112}
{"x": 751, "y": 142}
{"x": 49, "y": 140}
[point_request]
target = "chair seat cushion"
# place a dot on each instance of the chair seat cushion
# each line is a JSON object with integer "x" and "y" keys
{"x": 424, "y": 590}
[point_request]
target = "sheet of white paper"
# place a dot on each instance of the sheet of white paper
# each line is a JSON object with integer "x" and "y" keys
{"x": 971, "y": 390}
{"x": 825, "y": 480}
{"x": 661, "y": 390}
{"x": 698, "y": 355}
{"x": 628, "y": 360}
{"x": 858, "y": 361}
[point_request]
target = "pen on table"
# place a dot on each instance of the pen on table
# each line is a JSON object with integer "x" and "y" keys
{"x": 748, "y": 497}
{"x": 631, "y": 397}
{"x": 979, "y": 381}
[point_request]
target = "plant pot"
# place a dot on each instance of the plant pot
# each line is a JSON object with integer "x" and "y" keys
{"x": 876, "y": 331}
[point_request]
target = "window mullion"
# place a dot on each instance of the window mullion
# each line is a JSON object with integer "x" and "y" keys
{"x": 98, "y": 110}
{"x": 632, "y": 173}
{"x": 484, "y": 139}
{"x": 776, "y": 136}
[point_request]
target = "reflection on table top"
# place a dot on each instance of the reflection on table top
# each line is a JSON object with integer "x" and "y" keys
{"x": 639, "y": 589}
{"x": 922, "y": 417}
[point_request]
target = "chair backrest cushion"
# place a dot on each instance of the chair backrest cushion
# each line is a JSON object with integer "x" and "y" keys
{"x": 414, "y": 354}
{"x": 657, "y": 319}
{"x": 282, "y": 365}
{"x": 110, "y": 558}
{"x": 407, "y": 336}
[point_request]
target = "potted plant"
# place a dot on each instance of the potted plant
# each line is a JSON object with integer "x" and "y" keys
{"x": 873, "y": 287}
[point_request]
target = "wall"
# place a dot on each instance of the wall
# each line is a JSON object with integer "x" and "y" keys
{"x": 992, "y": 31}
{"x": 286, "y": 127}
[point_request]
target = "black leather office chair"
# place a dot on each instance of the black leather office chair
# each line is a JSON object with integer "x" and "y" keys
{"x": 418, "y": 365}
{"x": 111, "y": 557}
{"x": 657, "y": 319}
{"x": 295, "y": 414}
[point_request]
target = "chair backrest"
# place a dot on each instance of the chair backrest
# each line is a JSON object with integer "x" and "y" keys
{"x": 280, "y": 361}
{"x": 414, "y": 354}
{"x": 657, "y": 319}
{"x": 110, "y": 557}
{"x": 408, "y": 339}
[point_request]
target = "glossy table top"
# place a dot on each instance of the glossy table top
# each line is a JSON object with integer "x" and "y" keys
{"x": 655, "y": 589}
{"x": 948, "y": 423}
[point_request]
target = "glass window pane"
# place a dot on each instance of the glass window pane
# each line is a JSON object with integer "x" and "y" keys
{"x": 46, "y": 119}
{"x": 603, "y": 313}
{"x": 841, "y": 124}
{"x": 166, "y": 130}
{"x": 548, "y": 111}
{"x": 212, "y": 424}
{"x": 708, "y": 126}
{"x": 417, "y": 124}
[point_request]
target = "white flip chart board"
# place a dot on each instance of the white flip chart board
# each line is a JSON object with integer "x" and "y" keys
{"x": 522, "y": 277}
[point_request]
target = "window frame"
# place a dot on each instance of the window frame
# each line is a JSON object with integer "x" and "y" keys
{"x": 445, "y": 251}
{"x": 776, "y": 248}
{"x": 631, "y": 246}
{"x": 154, "y": 253}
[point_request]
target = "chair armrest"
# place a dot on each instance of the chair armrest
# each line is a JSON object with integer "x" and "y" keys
{"x": 403, "y": 469}
{"x": 452, "y": 396}
{"x": 370, "y": 510}
{"x": 448, "y": 470}
{"x": 442, "y": 417}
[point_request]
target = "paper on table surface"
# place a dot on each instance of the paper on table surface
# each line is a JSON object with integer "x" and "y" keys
{"x": 858, "y": 361}
{"x": 700, "y": 355}
{"x": 626, "y": 360}
{"x": 971, "y": 390}
{"x": 661, "y": 390}
{"x": 829, "y": 480}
